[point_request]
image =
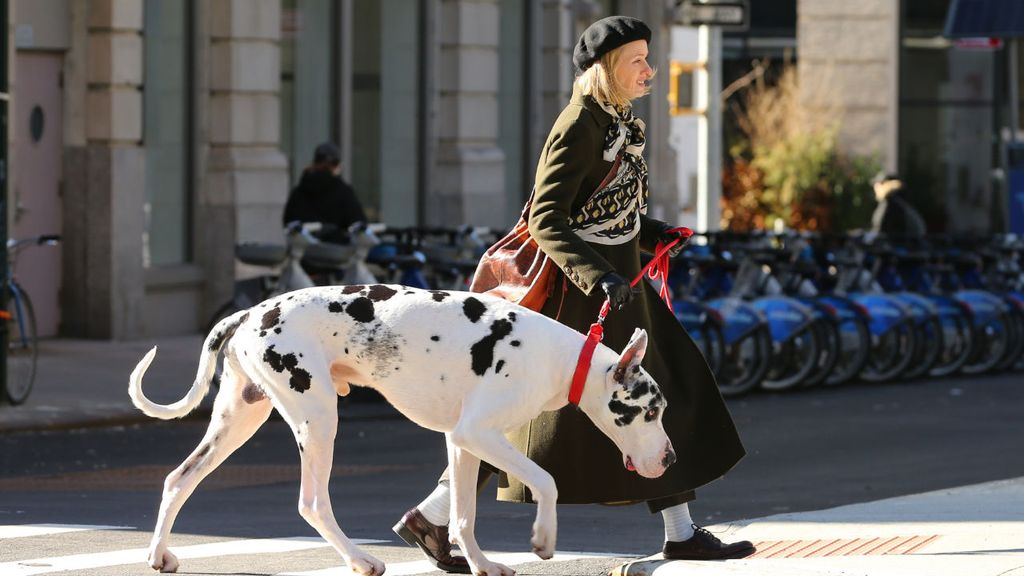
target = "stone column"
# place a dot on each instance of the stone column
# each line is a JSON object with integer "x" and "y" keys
{"x": 245, "y": 182}
{"x": 848, "y": 58}
{"x": 469, "y": 179}
{"x": 105, "y": 162}
{"x": 557, "y": 40}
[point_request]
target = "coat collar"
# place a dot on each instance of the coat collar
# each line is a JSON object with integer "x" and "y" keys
{"x": 604, "y": 119}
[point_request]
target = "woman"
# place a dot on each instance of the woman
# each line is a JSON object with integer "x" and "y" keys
{"x": 595, "y": 239}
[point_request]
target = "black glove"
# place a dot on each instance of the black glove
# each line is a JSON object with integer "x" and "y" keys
{"x": 667, "y": 235}
{"x": 617, "y": 288}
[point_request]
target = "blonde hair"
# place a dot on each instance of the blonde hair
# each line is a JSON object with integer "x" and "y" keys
{"x": 598, "y": 81}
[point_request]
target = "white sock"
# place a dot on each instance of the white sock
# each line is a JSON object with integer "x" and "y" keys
{"x": 436, "y": 508}
{"x": 678, "y": 524}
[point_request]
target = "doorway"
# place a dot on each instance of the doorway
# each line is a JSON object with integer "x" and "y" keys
{"x": 38, "y": 134}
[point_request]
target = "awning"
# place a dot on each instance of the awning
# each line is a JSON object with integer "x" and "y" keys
{"x": 985, "y": 18}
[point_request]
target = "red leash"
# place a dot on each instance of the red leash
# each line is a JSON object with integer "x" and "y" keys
{"x": 657, "y": 268}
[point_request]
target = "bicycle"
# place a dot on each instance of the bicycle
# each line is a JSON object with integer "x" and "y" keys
{"x": 20, "y": 326}
{"x": 332, "y": 263}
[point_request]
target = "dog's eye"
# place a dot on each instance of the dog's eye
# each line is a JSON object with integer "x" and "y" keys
{"x": 651, "y": 415}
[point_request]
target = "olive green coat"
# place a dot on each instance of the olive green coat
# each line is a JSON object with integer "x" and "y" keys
{"x": 586, "y": 466}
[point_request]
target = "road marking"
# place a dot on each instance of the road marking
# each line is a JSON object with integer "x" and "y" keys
{"x": 25, "y": 530}
{"x": 508, "y": 559}
{"x": 36, "y": 566}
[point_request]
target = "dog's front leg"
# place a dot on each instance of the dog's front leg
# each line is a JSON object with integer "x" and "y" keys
{"x": 490, "y": 445}
{"x": 462, "y": 520}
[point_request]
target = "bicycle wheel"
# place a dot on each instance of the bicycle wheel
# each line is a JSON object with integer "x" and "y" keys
{"x": 828, "y": 355}
{"x": 929, "y": 348}
{"x": 957, "y": 343}
{"x": 854, "y": 345}
{"x": 794, "y": 360}
{"x": 891, "y": 353}
{"x": 745, "y": 362}
{"x": 993, "y": 339}
{"x": 22, "y": 346}
{"x": 1015, "y": 326}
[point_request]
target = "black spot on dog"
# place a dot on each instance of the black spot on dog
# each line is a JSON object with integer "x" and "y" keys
{"x": 300, "y": 379}
{"x": 435, "y": 338}
{"x": 229, "y": 331}
{"x": 361, "y": 309}
{"x": 271, "y": 318}
{"x": 626, "y": 412}
{"x": 483, "y": 351}
{"x": 497, "y": 367}
{"x": 473, "y": 309}
{"x": 277, "y": 330}
{"x": 512, "y": 316}
{"x": 380, "y": 293}
{"x": 301, "y": 449}
{"x": 639, "y": 389}
{"x": 439, "y": 295}
{"x": 515, "y": 343}
{"x": 272, "y": 358}
{"x": 203, "y": 451}
{"x": 352, "y": 289}
{"x": 335, "y": 333}
{"x": 336, "y": 307}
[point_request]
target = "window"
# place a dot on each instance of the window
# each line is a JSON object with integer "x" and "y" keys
{"x": 167, "y": 121}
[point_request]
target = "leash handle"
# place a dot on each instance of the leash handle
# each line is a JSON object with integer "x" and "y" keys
{"x": 657, "y": 269}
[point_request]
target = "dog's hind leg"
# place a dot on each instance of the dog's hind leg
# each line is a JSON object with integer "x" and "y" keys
{"x": 313, "y": 417}
{"x": 464, "y": 468}
{"x": 237, "y": 414}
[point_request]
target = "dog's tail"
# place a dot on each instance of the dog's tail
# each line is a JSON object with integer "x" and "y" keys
{"x": 207, "y": 365}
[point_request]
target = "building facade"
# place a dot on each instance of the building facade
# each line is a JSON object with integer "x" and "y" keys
{"x": 154, "y": 135}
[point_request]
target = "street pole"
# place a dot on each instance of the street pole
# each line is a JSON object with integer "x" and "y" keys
{"x": 709, "y": 135}
{"x": 4, "y": 101}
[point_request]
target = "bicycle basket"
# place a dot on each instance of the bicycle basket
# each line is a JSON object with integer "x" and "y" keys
{"x": 259, "y": 254}
{"x": 327, "y": 255}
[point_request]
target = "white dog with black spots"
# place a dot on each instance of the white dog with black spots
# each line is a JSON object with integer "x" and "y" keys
{"x": 471, "y": 366}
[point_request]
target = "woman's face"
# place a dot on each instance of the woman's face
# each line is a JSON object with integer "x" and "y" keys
{"x": 632, "y": 71}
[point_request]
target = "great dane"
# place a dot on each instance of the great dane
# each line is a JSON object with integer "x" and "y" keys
{"x": 468, "y": 365}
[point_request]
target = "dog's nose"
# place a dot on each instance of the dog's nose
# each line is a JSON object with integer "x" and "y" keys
{"x": 669, "y": 459}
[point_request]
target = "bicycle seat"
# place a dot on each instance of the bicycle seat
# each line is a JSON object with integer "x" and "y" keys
{"x": 259, "y": 254}
{"x": 328, "y": 255}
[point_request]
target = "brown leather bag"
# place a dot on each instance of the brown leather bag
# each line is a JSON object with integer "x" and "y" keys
{"x": 515, "y": 268}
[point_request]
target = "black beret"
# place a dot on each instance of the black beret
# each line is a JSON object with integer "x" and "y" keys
{"x": 605, "y": 35}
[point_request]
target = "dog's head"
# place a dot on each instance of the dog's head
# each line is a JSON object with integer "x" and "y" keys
{"x": 629, "y": 411}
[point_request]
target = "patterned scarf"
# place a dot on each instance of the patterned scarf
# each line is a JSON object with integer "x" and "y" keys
{"x": 612, "y": 214}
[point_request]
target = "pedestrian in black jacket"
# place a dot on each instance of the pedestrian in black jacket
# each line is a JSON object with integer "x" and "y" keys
{"x": 322, "y": 196}
{"x": 895, "y": 216}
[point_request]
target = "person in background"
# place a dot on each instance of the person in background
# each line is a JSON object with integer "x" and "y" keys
{"x": 895, "y": 216}
{"x": 322, "y": 196}
{"x": 594, "y": 229}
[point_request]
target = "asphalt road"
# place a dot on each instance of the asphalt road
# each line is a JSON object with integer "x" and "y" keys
{"x": 806, "y": 450}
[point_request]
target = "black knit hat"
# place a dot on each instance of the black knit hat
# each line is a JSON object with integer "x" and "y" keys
{"x": 605, "y": 35}
{"x": 326, "y": 153}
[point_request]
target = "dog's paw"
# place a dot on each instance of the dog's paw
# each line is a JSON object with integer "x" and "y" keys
{"x": 366, "y": 565}
{"x": 164, "y": 561}
{"x": 493, "y": 569}
{"x": 543, "y": 542}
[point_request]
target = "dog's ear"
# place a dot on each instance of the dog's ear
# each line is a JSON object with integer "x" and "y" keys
{"x": 632, "y": 354}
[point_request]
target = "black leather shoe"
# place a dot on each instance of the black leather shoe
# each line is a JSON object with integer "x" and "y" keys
{"x": 432, "y": 540}
{"x": 705, "y": 546}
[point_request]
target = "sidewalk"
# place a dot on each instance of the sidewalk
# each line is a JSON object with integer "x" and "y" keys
{"x": 969, "y": 531}
{"x": 83, "y": 383}
{"x": 973, "y": 530}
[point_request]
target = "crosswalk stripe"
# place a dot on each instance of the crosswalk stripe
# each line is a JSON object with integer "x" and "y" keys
{"x": 508, "y": 559}
{"x": 138, "y": 556}
{"x": 26, "y": 530}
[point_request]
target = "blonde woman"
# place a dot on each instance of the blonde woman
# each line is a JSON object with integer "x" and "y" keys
{"x": 595, "y": 237}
